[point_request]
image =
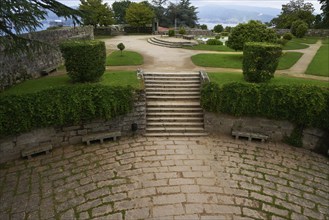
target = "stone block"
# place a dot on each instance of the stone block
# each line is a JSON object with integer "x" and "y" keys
{"x": 71, "y": 128}
{"x": 7, "y": 146}
{"x": 75, "y": 140}
{"x": 38, "y": 135}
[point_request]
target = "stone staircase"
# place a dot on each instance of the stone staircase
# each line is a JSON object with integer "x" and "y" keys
{"x": 169, "y": 43}
{"x": 173, "y": 104}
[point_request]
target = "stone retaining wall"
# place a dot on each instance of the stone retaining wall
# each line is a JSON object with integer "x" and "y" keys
{"x": 276, "y": 130}
{"x": 310, "y": 32}
{"x": 11, "y": 147}
{"x": 15, "y": 69}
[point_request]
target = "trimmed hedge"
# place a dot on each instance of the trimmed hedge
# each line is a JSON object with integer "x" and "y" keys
{"x": 299, "y": 104}
{"x": 64, "y": 106}
{"x": 84, "y": 60}
{"x": 214, "y": 42}
{"x": 260, "y": 61}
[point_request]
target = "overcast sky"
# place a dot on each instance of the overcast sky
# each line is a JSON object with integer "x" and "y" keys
{"x": 261, "y": 3}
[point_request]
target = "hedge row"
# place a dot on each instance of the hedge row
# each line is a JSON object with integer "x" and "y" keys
{"x": 300, "y": 104}
{"x": 62, "y": 106}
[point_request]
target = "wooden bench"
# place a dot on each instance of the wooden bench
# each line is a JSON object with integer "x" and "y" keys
{"x": 35, "y": 150}
{"x": 101, "y": 137}
{"x": 249, "y": 135}
{"x": 48, "y": 70}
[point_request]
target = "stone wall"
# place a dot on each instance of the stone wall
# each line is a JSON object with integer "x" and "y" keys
{"x": 11, "y": 147}
{"x": 15, "y": 69}
{"x": 310, "y": 32}
{"x": 276, "y": 130}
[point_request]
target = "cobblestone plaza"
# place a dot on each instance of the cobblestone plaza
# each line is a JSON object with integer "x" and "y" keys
{"x": 173, "y": 178}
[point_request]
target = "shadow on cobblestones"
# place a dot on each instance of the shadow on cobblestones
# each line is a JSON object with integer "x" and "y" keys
{"x": 176, "y": 178}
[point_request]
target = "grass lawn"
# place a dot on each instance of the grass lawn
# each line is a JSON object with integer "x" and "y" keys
{"x": 320, "y": 63}
{"x": 223, "y": 78}
{"x": 293, "y": 45}
{"x": 128, "y": 58}
{"x": 210, "y": 47}
{"x": 122, "y": 78}
{"x": 235, "y": 60}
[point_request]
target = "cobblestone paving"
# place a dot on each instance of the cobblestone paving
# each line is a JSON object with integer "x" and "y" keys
{"x": 146, "y": 178}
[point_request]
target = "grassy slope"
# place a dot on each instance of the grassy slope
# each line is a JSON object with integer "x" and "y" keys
{"x": 235, "y": 60}
{"x": 128, "y": 58}
{"x": 222, "y": 78}
{"x": 122, "y": 78}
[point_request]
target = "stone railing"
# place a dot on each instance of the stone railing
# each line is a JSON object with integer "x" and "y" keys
{"x": 17, "y": 68}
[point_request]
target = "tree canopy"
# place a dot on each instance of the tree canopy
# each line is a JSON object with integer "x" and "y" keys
{"x": 253, "y": 31}
{"x": 96, "y": 13}
{"x": 23, "y": 16}
{"x": 119, "y": 9}
{"x": 322, "y": 20}
{"x": 218, "y": 28}
{"x": 292, "y": 11}
{"x": 139, "y": 14}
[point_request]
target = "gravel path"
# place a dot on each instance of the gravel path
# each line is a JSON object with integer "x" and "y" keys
{"x": 175, "y": 178}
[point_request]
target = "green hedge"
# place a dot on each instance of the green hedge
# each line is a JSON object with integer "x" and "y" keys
{"x": 84, "y": 60}
{"x": 260, "y": 61}
{"x": 214, "y": 42}
{"x": 299, "y": 104}
{"x": 64, "y": 106}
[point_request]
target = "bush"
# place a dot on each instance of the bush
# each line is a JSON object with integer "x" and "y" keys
{"x": 182, "y": 31}
{"x": 299, "y": 28}
{"x": 299, "y": 104}
{"x": 282, "y": 41}
{"x": 224, "y": 34}
{"x": 253, "y": 31}
{"x": 218, "y": 28}
{"x": 214, "y": 42}
{"x": 287, "y": 36}
{"x": 84, "y": 60}
{"x": 64, "y": 106}
{"x": 121, "y": 47}
{"x": 217, "y": 37}
{"x": 260, "y": 61}
{"x": 171, "y": 33}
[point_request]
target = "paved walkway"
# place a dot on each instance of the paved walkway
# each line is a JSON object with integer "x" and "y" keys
{"x": 145, "y": 178}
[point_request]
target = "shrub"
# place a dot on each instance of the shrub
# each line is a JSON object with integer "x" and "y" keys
{"x": 84, "y": 60}
{"x": 253, "y": 31}
{"x": 260, "y": 61}
{"x": 121, "y": 47}
{"x": 171, "y": 33}
{"x": 182, "y": 31}
{"x": 299, "y": 104}
{"x": 218, "y": 28}
{"x": 67, "y": 105}
{"x": 282, "y": 41}
{"x": 287, "y": 36}
{"x": 224, "y": 34}
{"x": 217, "y": 36}
{"x": 214, "y": 42}
{"x": 299, "y": 31}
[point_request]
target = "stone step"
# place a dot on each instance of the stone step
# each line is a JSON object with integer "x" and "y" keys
{"x": 171, "y": 109}
{"x": 170, "y": 97}
{"x": 174, "y": 119}
{"x": 187, "y": 114}
{"x": 172, "y": 89}
{"x": 178, "y": 78}
{"x": 187, "y": 85}
{"x": 175, "y": 93}
{"x": 172, "y": 74}
{"x": 175, "y": 124}
{"x": 175, "y": 134}
{"x": 173, "y": 103}
{"x": 151, "y": 81}
{"x": 152, "y": 41}
{"x": 175, "y": 129}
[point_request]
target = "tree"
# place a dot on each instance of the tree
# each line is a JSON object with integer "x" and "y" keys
{"x": 160, "y": 11}
{"x": 182, "y": 14}
{"x": 121, "y": 47}
{"x": 22, "y": 16}
{"x": 204, "y": 27}
{"x": 322, "y": 20}
{"x": 299, "y": 28}
{"x": 96, "y": 13}
{"x": 253, "y": 31}
{"x": 218, "y": 28}
{"x": 294, "y": 10}
{"x": 119, "y": 9}
{"x": 139, "y": 14}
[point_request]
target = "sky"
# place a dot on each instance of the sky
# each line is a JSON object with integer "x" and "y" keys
{"x": 257, "y": 3}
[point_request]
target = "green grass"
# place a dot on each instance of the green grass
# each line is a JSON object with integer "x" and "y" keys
{"x": 128, "y": 58}
{"x": 223, "y": 78}
{"x": 209, "y": 47}
{"x": 293, "y": 45}
{"x": 235, "y": 60}
{"x": 288, "y": 60}
{"x": 319, "y": 65}
{"x": 121, "y": 78}
{"x": 306, "y": 40}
